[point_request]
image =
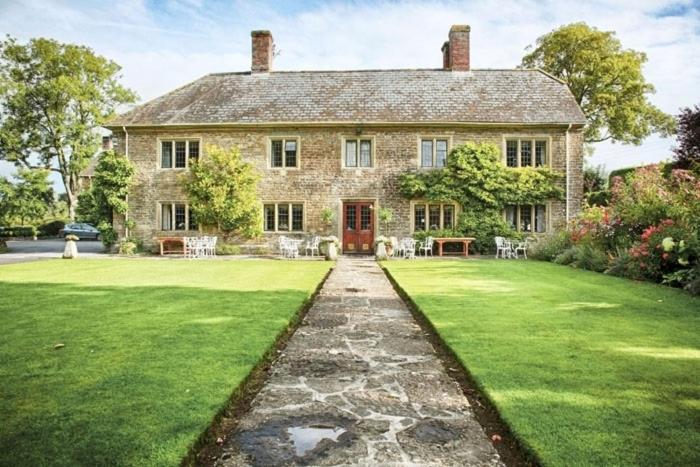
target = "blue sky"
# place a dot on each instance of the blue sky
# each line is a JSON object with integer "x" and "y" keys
{"x": 164, "y": 44}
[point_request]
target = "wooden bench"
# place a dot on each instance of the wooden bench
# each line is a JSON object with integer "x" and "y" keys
{"x": 169, "y": 245}
{"x": 463, "y": 240}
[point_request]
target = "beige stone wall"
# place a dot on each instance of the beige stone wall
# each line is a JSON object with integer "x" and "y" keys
{"x": 321, "y": 180}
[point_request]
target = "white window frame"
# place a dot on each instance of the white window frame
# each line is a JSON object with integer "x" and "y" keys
{"x": 533, "y": 141}
{"x": 547, "y": 215}
{"x": 289, "y": 205}
{"x": 187, "y": 141}
{"x": 159, "y": 216}
{"x": 427, "y": 204}
{"x": 434, "y": 138}
{"x": 357, "y": 139}
{"x": 284, "y": 140}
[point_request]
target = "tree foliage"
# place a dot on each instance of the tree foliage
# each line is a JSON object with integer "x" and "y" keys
{"x": 52, "y": 98}
{"x": 108, "y": 190}
{"x": 221, "y": 189}
{"x": 28, "y": 199}
{"x": 687, "y": 153}
{"x": 605, "y": 79}
{"x": 483, "y": 186}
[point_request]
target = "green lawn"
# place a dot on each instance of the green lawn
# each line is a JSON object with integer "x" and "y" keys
{"x": 153, "y": 349}
{"x": 585, "y": 368}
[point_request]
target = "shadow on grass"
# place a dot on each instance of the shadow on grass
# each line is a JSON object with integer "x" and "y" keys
{"x": 142, "y": 372}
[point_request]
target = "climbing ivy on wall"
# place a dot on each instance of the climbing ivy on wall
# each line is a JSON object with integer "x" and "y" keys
{"x": 476, "y": 178}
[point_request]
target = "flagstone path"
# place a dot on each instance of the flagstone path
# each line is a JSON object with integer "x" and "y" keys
{"x": 359, "y": 384}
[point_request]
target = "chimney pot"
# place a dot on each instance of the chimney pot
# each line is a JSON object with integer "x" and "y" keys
{"x": 262, "y": 51}
{"x": 457, "y": 58}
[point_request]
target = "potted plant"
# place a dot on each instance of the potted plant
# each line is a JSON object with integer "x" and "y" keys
{"x": 71, "y": 249}
{"x": 327, "y": 218}
{"x": 380, "y": 247}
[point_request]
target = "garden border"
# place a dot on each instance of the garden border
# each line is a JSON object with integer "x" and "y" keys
{"x": 205, "y": 450}
{"x": 513, "y": 451}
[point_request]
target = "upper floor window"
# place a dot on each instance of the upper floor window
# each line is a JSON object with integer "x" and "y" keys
{"x": 178, "y": 154}
{"x": 527, "y": 218}
{"x": 526, "y": 152}
{"x": 433, "y": 152}
{"x": 177, "y": 216}
{"x": 433, "y": 216}
{"x": 284, "y": 153}
{"x": 283, "y": 217}
{"x": 358, "y": 153}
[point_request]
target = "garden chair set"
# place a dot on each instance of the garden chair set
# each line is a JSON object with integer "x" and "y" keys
{"x": 289, "y": 247}
{"x": 406, "y": 248}
{"x": 199, "y": 247}
{"x": 507, "y": 248}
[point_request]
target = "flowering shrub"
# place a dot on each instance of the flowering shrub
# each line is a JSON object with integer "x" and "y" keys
{"x": 649, "y": 231}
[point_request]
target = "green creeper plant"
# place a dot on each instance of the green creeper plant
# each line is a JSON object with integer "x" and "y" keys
{"x": 605, "y": 79}
{"x": 476, "y": 178}
{"x": 222, "y": 191}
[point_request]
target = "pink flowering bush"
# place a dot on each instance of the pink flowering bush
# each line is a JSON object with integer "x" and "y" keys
{"x": 649, "y": 231}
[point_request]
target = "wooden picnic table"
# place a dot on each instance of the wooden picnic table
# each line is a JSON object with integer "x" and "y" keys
{"x": 463, "y": 240}
{"x": 167, "y": 245}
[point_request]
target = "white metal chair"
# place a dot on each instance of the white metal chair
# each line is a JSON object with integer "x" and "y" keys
{"x": 409, "y": 248}
{"x": 427, "y": 246}
{"x": 312, "y": 246}
{"x": 521, "y": 246}
{"x": 288, "y": 247}
{"x": 192, "y": 247}
{"x": 396, "y": 248}
{"x": 503, "y": 248}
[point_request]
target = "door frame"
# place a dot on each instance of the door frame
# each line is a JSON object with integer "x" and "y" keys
{"x": 341, "y": 217}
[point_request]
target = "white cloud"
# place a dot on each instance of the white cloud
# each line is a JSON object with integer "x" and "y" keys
{"x": 165, "y": 46}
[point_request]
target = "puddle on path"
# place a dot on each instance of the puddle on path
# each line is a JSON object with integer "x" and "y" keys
{"x": 306, "y": 438}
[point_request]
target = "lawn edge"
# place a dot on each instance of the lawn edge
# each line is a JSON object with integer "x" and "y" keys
{"x": 513, "y": 450}
{"x": 205, "y": 450}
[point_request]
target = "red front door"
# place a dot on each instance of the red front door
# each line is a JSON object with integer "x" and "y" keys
{"x": 358, "y": 227}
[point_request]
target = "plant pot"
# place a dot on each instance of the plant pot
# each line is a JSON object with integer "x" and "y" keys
{"x": 381, "y": 251}
{"x": 71, "y": 250}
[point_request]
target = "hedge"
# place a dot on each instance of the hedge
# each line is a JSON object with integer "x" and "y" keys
{"x": 17, "y": 231}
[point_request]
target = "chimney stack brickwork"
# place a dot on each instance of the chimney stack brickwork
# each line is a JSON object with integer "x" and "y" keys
{"x": 457, "y": 48}
{"x": 262, "y": 51}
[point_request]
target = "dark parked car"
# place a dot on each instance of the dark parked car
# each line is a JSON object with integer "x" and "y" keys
{"x": 81, "y": 231}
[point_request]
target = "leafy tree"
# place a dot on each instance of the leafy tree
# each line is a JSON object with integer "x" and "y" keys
{"x": 606, "y": 81}
{"x": 107, "y": 194}
{"x": 687, "y": 152}
{"x": 28, "y": 199}
{"x": 222, "y": 193}
{"x": 594, "y": 178}
{"x": 476, "y": 178}
{"x": 52, "y": 98}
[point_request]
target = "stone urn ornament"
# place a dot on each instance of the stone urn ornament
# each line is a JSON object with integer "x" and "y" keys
{"x": 380, "y": 248}
{"x": 329, "y": 247}
{"x": 71, "y": 249}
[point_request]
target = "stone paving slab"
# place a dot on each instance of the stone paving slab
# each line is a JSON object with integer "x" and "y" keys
{"x": 359, "y": 384}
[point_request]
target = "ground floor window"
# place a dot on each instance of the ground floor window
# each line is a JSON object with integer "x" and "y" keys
{"x": 433, "y": 216}
{"x": 177, "y": 216}
{"x": 527, "y": 218}
{"x": 283, "y": 217}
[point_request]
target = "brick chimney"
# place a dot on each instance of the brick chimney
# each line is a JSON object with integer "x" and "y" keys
{"x": 263, "y": 48}
{"x": 455, "y": 52}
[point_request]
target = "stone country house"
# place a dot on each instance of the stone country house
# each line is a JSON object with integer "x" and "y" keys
{"x": 340, "y": 139}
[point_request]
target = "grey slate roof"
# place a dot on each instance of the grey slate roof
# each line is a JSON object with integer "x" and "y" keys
{"x": 392, "y": 96}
